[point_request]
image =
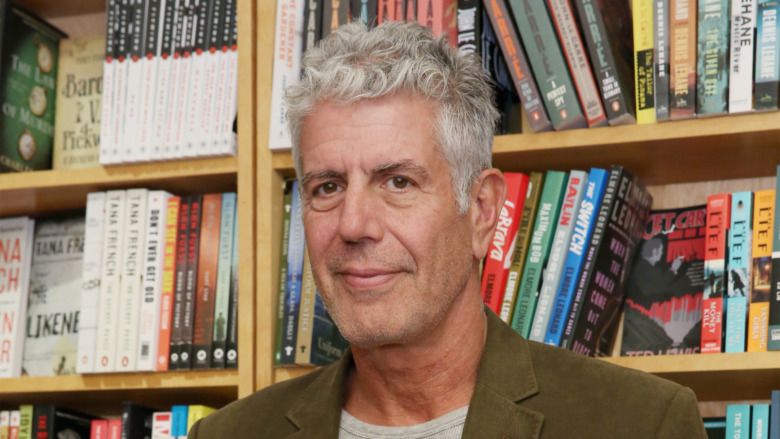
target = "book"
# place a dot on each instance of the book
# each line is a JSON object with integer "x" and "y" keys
{"x": 180, "y": 281}
{"x": 278, "y": 335}
{"x": 538, "y": 251}
{"x": 129, "y": 121}
{"x": 5, "y": 423}
{"x": 50, "y": 421}
{"x": 131, "y": 279}
{"x": 774, "y": 414}
{"x": 761, "y": 272}
{"x": 773, "y": 328}
{"x": 367, "y": 11}
{"x": 547, "y": 62}
{"x": 217, "y": 65}
{"x": 312, "y": 21}
{"x": 51, "y": 342}
{"x": 743, "y": 28}
{"x": 25, "y": 421}
{"x": 161, "y": 425}
{"x": 594, "y": 333}
{"x": 767, "y": 69}
{"x": 114, "y": 429}
{"x": 136, "y": 420}
{"x": 222, "y": 292}
{"x": 190, "y": 282}
{"x": 469, "y": 26}
{"x": 682, "y": 81}
{"x": 79, "y": 96}
{"x": 194, "y": 141}
{"x": 151, "y": 52}
{"x": 99, "y": 429}
{"x": 90, "y": 281}
{"x": 110, "y": 78}
{"x": 664, "y": 293}
{"x": 608, "y": 37}
{"x": 522, "y": 242}
{"x": 583, "y": 226}
{"x": 644, "y": 61}
{"x": 122, "y": 31}
{"x": 16, "y": 247}
{"x": 292, "y": 296}
{"x": 739, "y": 262}
{"x": 738, "y": 420}
{"x": 334, "y": 14}
{"x": 197, "y": 412}
{"x": 168, "y": 284}
{"x": 499, "y": 254}
{"x": 715, "y": 427}
{"x": 759, "y": 426}
{"x": 712, "y": 86}
{"x": 718, "y": 222}
{"x": 163, "y": 98}
{"x": 305, "y": 314}
{"x": 288, "y": 41}
{"x": 13, "y": 424}
{"x": 559, "y": 249}
{"x": 231, "y": 344}
{"x": 517, "y": 64}
{"x": 229, "y": 142}
{"x": 569, "y": 37}
{"x": 179, "y": 420}
{"x": 661, "y": 54}
{"x": 208, "y": 254}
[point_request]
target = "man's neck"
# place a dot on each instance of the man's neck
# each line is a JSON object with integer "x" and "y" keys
{"x": 414, "y": 383}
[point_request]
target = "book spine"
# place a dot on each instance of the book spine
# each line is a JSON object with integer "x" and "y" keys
{"x": 312, "y": 20}
{"x": 763, "y": 234}
{"x": 132, "y": 106}
{"x": 190, "y": 282}
{"x": 43, "y": 421}
{"x": 547, "y": 61}
{"x": 208, "y": 254}
{"x": 113, "y": 242}
{"x": 193, "y": 130}
{"x": 517, "y": 64}
{"x": 25, "y": 421}
{"x": 152, "y": 273}
{"x": 119, "y": 100}
{"x": 644, "y": 61}
{"x": 5, "y": 423}
{"x": 177, "y": 41}
{"x": 221, "y": 56}
{"x": 737, "y": 420}
{"x": 718, "y": 222}
{"x": 334, "y": 14}
{"x": 589, "y": 207}
{"x": 713, "y": 55}
{"x": 99, "y": 429}
{"x": 109, "y": 87}
{"x": 114, "y": 429}
{"x": 499, "y": 255}
{"x": 743, "y": 33}
{"x": 294, "y": 278}
{"x": 560, "y": 244}
{"x": 767, "y": 74}
{"x": 161, "y": 425}
{"x": 304, "y": 345}
{"x": 522, "y": 242}
{"x": 278, "y": 335}
{"x": 90, "y": 284}
{"x": 180, "y": 283}
{"x": 773, "y": 329}
{"x": 13, "y": 428}
{"x": 538, "y": 251}
{"x": 168, "y": 283}
{"x": 759, "y": 428}
{"x": 179, "y": 415}
{"x": 738, "y": 269}
{"x": 148, "y": 82}
{"x": 222, "y": 295}
{"x": 162, "y": 98}
{"x": 229, "y": 141}
{"x": 386, "y": 11}
{"x": 181, "y": 80}
{"x": 288, "y": 42}
{"x": 682, "y": 89}
{"x": 661, "y": 58}
{"x": 470, "y": 26}
{"x": 214, "y": 68}
{"x": 231, "y": 344}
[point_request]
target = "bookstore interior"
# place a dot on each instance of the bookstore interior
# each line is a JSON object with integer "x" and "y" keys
{"x": 640, "y": 144}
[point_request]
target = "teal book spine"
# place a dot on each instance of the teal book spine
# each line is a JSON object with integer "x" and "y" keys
{"x": 713, "y": 58}
{"x": 539, "y": 250}
{"x": 759, "y": 424}
{"x": 738, "y": 420}
{"x": 767, "y": 74}
{"x": 224, "y": 264}
{"x": 738, "y": 267}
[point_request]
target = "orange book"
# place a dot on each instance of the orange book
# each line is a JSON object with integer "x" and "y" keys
{"x": 169, "y": 273}
{"x": 761, "y": 272}
{"x": 202, "y": 334}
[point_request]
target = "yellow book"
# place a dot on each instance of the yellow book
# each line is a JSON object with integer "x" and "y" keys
{"x": 196, "y": 412}
{"x": 643, "y": 61}
{"x": 761, "y": 272}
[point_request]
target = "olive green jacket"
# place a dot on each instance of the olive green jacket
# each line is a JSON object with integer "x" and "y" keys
{"x": 524, "y": 390}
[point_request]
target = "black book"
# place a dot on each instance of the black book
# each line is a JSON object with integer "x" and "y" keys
{"x": 334, "y": 14}
{"x": 190, "y": 282}
{"x": 312, "y": 22}
{"x": 470, "y": 26}
{"x": 136, "y": 421}
{"x": 179, "y": 283}
{"x": 494, "y": 65}
{"x": 50, "y": 421}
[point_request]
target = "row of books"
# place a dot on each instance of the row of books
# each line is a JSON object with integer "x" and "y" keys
{"x": 136, "y": 421}
{"x": 305, "y": 333}
{"x": 562, "y": 250}
{"x": 169, "y": 80}
{"x": 143, "y": 281}
{"x": 755, "y": 421}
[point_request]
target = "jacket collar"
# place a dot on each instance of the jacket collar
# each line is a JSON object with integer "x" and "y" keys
{"x": 505, "y": 378}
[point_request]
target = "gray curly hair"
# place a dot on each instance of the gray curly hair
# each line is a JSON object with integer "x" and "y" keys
{"x": 355, "y": 63}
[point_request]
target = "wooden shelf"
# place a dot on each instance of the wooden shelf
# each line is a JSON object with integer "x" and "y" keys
{"x": 102, "y": 393}
{"x": 49, "y": 8}
{"x": 687, "y": 151}
{"x": 28, "y": 193}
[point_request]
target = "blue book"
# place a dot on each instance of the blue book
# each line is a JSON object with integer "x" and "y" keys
{"x": 774, "y": 417}
{"x": 588, "y": 209}
{"x": 738, "y": 266}
{"x": 292, "y": 294}
{"x": 738, "y": 421}
{"x": 179, "y": 420}
{"x": 760, "y": 423}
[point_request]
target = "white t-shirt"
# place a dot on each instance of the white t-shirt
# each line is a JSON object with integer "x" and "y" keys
{"x": 448, "y": 426}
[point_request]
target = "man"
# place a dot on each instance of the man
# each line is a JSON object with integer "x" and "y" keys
{"x": 392, "y": 135}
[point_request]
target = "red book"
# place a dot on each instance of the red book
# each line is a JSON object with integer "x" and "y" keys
{"x": 115, "y": 429}
{"x": 441, "y": 17}
{"x": 99, "y": 429}
{"x": 499, "y": 256}
{"x": 202, "y": 333}
{"x": 385, "y": 11}
{"x": 169, "y": 276}
{"x": 718, "y": 221}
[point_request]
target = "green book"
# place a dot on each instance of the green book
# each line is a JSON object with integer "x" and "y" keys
{"x": 712, "y": 96}
{"x": 283, "y": 273}
{"x": 25, "y": 421}
{"x": 538, "y": 251}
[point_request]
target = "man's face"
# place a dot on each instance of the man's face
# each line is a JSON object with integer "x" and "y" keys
{"x": 388, "y": 250}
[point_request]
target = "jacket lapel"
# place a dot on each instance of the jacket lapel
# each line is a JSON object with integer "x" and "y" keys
{"x": 506, "y": 377}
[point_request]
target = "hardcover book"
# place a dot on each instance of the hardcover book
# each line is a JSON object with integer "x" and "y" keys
{"x": 738, "y": 266}
{"x": 79, "y": 97}
{"x": 644, "y": 61}
{"x": 767, "y": 74}
{"x": 712, "y": 87}
{"x": 682, "y": 88}
{"x": 743, "y": 27}
{"x": 718, "y": 223}
{"x": 53, "y": 307}
{"x": 761, "y": 272}
{"x": 90, "y": 281}
{"x": 664, "y": 293}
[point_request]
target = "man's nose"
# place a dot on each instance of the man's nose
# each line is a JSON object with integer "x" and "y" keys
{"x": 361, "y": 215}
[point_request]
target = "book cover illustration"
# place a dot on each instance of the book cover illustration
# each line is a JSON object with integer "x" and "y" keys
{"x": 664, "y": 295}
{"x": 713, "y": 49}
{"x": 51, "y": 341}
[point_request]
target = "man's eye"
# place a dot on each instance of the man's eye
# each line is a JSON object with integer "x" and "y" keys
{"x": 399, "y": 183}
{"x": 326, "y": 189}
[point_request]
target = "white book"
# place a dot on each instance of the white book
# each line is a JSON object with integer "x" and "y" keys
{"x": 743, "y": 31}
{"x": 181, "y": 80}
{"x": 51, "y": 342}
{"x": 551, "y": 277}
{"x": 132, "y": 275}
{"x": 109, "y": 86}
{"x": 288, "y": 40}
{"x": 149, "y": 65}
{"x": 134, "y": 83}
{"x": 194, "y": 128}
{"x": 220, "y": 92}
{"x": 119, "y": 107}
{"x": 16, "y": 239}
{"x": 111, "y": 265}
{"x": 15, "y": 423}
{"x": 161, "y": 425}
{"x": 207, "y": 105}
{"x": 90, "y": 281}
{"x": 149, "y": 322}
{"x": 223, "y": 127}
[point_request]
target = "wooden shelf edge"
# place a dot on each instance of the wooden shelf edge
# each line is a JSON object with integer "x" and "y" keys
{"x": 148, "y": 381}
{"x": 288, "y": 373}
{"x": 746, "y": 361}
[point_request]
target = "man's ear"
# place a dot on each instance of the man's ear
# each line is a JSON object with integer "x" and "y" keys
{"x": 487, "y": 199}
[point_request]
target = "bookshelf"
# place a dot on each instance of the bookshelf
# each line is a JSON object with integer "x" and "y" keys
{"x": 43, "y": 191}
